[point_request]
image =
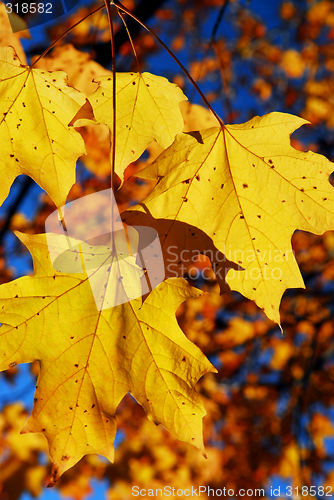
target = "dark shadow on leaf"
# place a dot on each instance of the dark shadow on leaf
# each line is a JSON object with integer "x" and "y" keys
{"x": 180, "y": 243}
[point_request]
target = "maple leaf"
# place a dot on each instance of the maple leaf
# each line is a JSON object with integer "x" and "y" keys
{"x": 91, "y": 358}
{"x": 246, "y": 188}
{"x": 78, "y": 66}
{"x": 147, "y": 109}
{"x": 7, "y": 37}
{"x": 197, "y": 117}
{"x": 36, "y": 108}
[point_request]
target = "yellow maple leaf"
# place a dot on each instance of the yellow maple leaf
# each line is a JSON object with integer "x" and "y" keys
{"x": 91, "y": 358}
{"x": 196, "y": 117}
{"x": 147, "y": 110}
{"x": 246, "y": 188}
{"x": 7, "y": 37}
{"x": 81, "y": 71}
{"x": 36, "y": 108}
{"x": 79, "y": 67}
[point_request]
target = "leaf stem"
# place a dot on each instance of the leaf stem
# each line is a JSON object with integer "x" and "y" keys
{"x": 218, "y": 21}
{"x": 113, "y": 65}
{"x": 213, "y": 35}
{"x": 113, "y": 132}
{"x": 222, "y": 75}
{"x": 124, "y": 9}
{"x": 130, "y": 38}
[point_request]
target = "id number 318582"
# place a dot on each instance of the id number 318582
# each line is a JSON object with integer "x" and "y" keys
{"x": 319, "y": 491}
{"x": 29, "y": 8}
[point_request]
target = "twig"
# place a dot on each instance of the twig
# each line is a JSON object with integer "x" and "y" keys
{"x": 124, "y": 9}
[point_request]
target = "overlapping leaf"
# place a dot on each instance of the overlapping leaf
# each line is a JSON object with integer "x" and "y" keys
{"x": 7, "y": 37}
{"x": 247, "y": 189}
{"x": 35, "y": 110}
{"x": 79, "y": 67}
{"x": 91, "y": 358}
{"x": 147, "y": 109}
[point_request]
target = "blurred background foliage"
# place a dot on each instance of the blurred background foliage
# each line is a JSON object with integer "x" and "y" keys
{"x": 270, "y": 408}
